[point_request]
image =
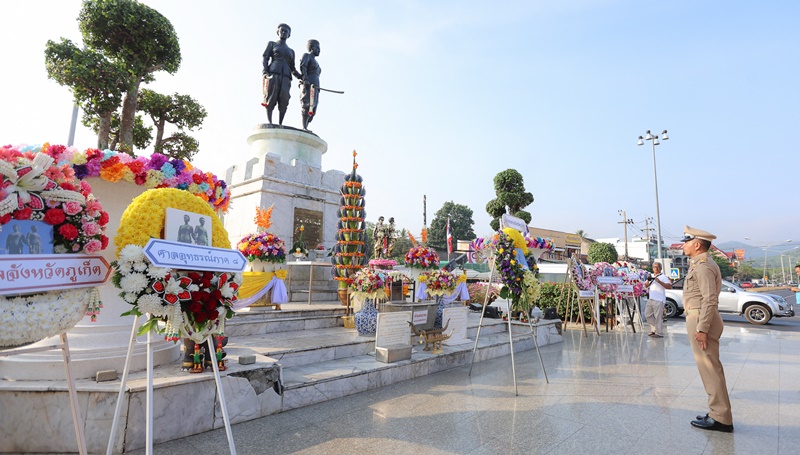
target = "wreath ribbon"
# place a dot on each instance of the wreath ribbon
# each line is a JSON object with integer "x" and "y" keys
{"x": 32, "y": 181}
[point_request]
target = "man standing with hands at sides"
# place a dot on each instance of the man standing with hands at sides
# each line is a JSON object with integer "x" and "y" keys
{"x": 278, "y": 69}
{"x": 654, "y": 310}
{"x": 704, "y": 327}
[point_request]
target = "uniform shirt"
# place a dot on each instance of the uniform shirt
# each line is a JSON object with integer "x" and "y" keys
{"x": 656, "y": 291}
{"x": 701, "y": 289}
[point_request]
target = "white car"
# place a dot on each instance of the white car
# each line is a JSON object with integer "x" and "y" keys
{"x": 757, "y": 308}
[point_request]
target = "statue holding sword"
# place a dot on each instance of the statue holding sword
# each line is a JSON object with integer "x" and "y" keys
{"x": 309, "y": 85}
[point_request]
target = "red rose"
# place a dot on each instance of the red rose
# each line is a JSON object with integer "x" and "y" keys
{"x": 140, "y": 178}
{"x": 104, "y": 242}
{"x": 212, "y": 315}
{"x": 103, "y": 219}
{"x": 5, "y": 218}
{"x": 197, "y": 178}
{"x": 199, "y": 317}
{"x": 195, "y": 307}
{"x": 67, "y": 186}
{"x": 194, "y": 276}
{"x": 216, "y": 294}
{"x": 54, "y": 216}
{"x": 68, "y": 231}
{"x": 210, "y": 304}
{"x": 23, "y": 214}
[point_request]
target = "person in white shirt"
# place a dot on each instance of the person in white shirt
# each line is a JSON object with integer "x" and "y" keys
{"x": 654, "y": 310}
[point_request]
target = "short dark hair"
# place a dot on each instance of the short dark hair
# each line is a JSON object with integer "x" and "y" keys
{"x": 705, "y": 244}
{"x": 310, "y": 43}
{"x": 286, "y": 26}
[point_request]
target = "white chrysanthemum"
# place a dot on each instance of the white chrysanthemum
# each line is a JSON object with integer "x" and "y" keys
{"x": 140, "y": 266}
{"x": 152, "y": 304}
{"x": 193, "y": 288}
{"x": 131, "y": 253}
{"x": 130, "y": 297}
{"x": 124, "y": 267}
{"x": 157, "y": 273}
{"x": 237, "y": 278}
{"x": 133, "y": 283}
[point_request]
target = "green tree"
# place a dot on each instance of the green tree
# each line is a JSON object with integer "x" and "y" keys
{"x": 401, "y": 246}
{"x": 582, "y": 234}
{"x": 725, "y": 267}
{"x": 511, "y": 198}
{"x": 142, "y": 135}
{"x": 97, "y": 83}
{"x": 602, "y": 252}
{"x": 460, "y": 225}
{"x": 136, "y": 37}
{"x": 183, "y": 111}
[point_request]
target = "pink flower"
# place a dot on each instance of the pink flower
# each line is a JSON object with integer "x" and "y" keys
{"x": 93, "y": 246}
{"x": 72, "y": 208}
{"x": 91, "y": 229}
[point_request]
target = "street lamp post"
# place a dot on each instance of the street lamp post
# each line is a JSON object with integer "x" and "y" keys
{"x": 765, "y": 253}
{"x": 654, "y": 141}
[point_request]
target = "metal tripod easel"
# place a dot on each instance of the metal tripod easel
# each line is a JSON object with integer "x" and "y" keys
{"x": 510, "y": 334}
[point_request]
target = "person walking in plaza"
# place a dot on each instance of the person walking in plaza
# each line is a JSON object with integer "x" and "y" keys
{"x": 704, "y": 327}
{"x": 654, "y": 310}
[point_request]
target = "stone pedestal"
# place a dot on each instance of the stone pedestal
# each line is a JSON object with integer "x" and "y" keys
{"x": 285, "y": 171}
{"x": 100, "y": 345}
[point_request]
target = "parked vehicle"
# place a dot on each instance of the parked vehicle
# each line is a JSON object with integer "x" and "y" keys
{"x": 758, "y": 308}
{"x": 746, "y": 284}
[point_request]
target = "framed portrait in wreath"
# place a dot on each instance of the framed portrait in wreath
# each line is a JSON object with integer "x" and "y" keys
{"x": 187, "y": 227}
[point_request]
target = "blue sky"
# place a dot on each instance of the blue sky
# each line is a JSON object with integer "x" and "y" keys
{"x": 440, "y": 96}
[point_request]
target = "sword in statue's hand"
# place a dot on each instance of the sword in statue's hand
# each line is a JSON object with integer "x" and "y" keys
{"x": 328, "y": 90}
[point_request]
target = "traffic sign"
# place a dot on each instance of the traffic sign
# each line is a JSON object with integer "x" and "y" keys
{"x": 674, "y": 273}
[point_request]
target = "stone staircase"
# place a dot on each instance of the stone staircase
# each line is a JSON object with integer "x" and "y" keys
{"x": 303, "y": 356}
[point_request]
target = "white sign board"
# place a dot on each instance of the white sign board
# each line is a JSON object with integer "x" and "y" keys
{"x": 674, "y": 273}
{"x": 457, "y": 318}
{"x": 625, "y": 288}
{"x": 515, "y": 223}
{"x": 183, "y": 256}
{"x": 420, "y": 317}
{"x": 586, "y": 294}
{"x": 609, "y": 280}
{"x": 30, "y": 273}
{"x": 393, "y": 329}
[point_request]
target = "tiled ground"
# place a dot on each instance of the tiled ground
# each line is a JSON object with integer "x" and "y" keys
{"x": 615, "y": 393}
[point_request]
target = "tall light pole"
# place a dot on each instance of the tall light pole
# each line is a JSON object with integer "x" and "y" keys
{"x": 764, "y": 247}
{"x": 654, "y": 141}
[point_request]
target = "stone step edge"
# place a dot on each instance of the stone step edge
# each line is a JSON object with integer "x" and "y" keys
{"x": 284, "y": 319}
{"x": 489, "y": 345}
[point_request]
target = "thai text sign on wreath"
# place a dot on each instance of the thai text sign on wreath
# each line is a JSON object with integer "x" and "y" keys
{"x": 30, "y": 273}
{"x": 185, "y": 256}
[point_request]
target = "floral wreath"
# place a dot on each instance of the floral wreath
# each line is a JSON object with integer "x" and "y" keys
{"x": 580, "y": 276}
{"x": 519, "y": 285}
{"x": 369, "y": 283}
{"x": 156, "y": 171}
{"x": 193, "y": 304}
{"x": 439, "y": 282}
{"x": 598, "y": 270}
{"x": 420, "y": 256}
{"x": 33, "y": 188}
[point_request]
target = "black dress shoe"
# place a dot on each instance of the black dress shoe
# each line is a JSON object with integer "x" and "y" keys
{"x": 710, "y": 424}
{"x": 702, "y": 417}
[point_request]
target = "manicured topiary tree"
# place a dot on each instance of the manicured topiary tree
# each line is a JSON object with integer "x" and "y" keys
{"x": 511, "y": 198}
{"x": 348, "y": 253}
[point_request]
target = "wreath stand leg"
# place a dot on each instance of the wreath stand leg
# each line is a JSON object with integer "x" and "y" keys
{"x": 222, "y": 404}
{"x": 73, "y": 393}
{"x": 536, "y": 343}
{"x": 510, "y": 335}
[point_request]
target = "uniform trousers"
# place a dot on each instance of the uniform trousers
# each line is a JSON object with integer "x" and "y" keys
{"x": 710, "y": 367}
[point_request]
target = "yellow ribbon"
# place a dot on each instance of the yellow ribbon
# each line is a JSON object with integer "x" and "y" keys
{"x": 252, "y": 282}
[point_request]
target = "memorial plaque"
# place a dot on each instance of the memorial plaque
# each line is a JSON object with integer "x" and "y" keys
{"x": 420, "y": 317}
{"x": 458, "y": 324}
{"x": 312, "y": 221}
{"x": 393, "y": 329}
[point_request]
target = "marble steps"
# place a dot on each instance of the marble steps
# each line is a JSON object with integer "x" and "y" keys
{"x": 293, "y": 317}
{"x": 311, "y": 346}
{"x": 304, "y": 385}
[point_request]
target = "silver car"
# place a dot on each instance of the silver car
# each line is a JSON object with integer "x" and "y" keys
{"x": 757, "y": 308}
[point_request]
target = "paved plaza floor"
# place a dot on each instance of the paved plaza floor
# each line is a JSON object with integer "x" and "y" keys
{"x": 615, "y": 393}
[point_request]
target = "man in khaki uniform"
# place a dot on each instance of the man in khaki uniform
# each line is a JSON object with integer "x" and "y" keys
{"x": 704, "y": 327}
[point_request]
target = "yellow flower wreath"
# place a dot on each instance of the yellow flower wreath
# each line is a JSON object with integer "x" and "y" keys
{"x": 144, "y": 217}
